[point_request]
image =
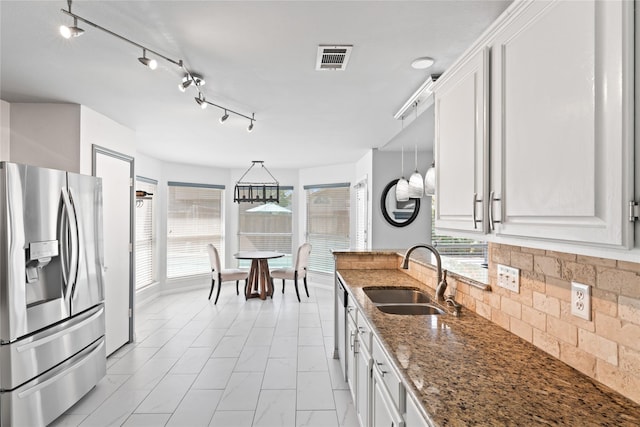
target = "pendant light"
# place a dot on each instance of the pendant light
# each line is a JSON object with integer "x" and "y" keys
{"x": 416, "y": 184}
{"x": 402, "y": 186}
{"x": 430, "y": 181}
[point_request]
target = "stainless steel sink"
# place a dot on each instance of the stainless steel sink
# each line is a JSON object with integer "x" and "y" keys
{"x": 410, "y": 309}
{"x": 396, "y": 295}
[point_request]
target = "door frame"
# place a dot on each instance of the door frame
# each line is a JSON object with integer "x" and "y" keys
{"x": 95, "y": 150}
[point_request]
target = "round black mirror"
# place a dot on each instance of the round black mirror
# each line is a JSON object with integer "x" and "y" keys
{"x": 398, "y": 214}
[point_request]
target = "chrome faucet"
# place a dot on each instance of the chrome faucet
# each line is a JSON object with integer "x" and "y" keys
{"x": 442, "y": 282}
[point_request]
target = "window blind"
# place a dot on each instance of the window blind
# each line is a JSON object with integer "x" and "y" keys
{"x": 267, "y": 227}
{"x": 327, "y": 223}
{"x": 194, "y": 219}
{"x": 145, "y": 236}
{"x": 361, "y": 215}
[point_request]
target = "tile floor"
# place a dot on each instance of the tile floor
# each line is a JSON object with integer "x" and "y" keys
{"x": 237, "y": 363}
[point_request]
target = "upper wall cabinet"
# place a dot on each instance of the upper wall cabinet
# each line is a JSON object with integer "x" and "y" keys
{"x": 461, "y": 109}
{"x": 561, "y": 123}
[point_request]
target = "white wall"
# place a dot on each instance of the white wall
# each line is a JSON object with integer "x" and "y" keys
{"x": 46, "y": 135}
{"x": 364, "y": 171}
{"x": 97, "y": 129}
{"x": 386, "y": 167}
{"x": 5, "y": 130}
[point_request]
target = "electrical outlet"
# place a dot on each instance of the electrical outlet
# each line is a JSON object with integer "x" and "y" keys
{"x": 581, "y": 300}
{"x": 509, "y": 278}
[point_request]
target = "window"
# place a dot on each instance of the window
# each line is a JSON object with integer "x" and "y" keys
{"x": 361, "y": 215}
{"x": 459, "y": 250}
{"x": 145, "y": 236}
{"x": 194, "y": 219}
{"x": 327, "y": 223}
{"x": 267, "y": 227}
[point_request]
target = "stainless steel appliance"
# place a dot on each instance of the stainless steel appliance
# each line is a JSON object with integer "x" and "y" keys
{"x": 52, "y": 330}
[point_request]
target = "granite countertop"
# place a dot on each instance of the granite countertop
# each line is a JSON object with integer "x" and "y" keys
{"x": 468, "y": 371}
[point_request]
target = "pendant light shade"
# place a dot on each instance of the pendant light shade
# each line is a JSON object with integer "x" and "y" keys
{"x": 430, "y": 181}
{"x": 402, "y": 186}
{"x": 416, "y": 184}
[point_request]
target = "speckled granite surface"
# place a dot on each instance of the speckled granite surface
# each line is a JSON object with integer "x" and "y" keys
{"x": 468, "y": 371}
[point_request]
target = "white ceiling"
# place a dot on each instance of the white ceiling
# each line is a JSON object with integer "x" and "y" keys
{"x": 257, "y": 57}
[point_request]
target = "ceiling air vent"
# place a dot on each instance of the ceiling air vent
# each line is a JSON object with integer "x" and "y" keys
{"x": 332, "y": 57}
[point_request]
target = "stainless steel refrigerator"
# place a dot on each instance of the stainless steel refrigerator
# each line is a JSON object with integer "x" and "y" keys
{"x": 52, "y": 330}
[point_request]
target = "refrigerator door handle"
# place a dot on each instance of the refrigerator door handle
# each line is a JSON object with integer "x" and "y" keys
{"x": 69, "y": 241}
{"x": 75, "y": 248}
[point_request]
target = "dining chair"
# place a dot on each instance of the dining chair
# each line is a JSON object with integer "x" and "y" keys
{"x": 223, "y": 275}
{"x": 299, "y": 270}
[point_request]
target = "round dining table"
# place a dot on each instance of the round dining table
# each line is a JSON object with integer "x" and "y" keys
{"x": 259, "y": 281}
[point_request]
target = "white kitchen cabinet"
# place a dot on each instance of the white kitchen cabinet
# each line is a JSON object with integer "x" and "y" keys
{"x": 562, "y": 123}
{"x": 561, "y": 127}
{"x": 461, "y": 140}
{"x": 384, "y": 413}
{"x": 352, "y": 355}
{"x": 412, "y": 416}
{"x": 363, "y": 383}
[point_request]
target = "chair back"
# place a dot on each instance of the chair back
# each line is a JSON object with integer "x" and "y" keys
{"x": 214, "y": 258}
{"x": 302, "y": 259}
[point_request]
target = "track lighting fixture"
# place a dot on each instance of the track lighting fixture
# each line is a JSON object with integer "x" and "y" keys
{"x": 68, "y": 32}
{"x": 189, "y": 79}
{"x": 225, "y": 117}
{"x": 151, "y": 63}
{"x": 201, "y": 100}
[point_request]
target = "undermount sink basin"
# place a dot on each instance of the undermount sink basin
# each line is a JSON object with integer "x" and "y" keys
{"x": 410, "y": 309}
{"x": 396, "y": 295}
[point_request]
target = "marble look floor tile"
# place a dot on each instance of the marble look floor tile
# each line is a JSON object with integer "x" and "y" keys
{"x": 174, "y": 348}
{"x": 242, "y": 391}
{"x": 310, "y": 336}
{"x": 260, "y": 336}
{"x": 216, "y": 373}
{"x": 229, "y": 346}
{"x": 158, "y": 338}
{"x": 149, "y": 375}
{"x": 280, "y": 374}
{"x": 286, "y": 328}
{"x": 133, "y": 360}
{"x": 209, "y": 337}
{"x": 316, "y": 419}
{"x": 337, "y": 376}
{"x": 275, "y": 408}
{"x": 166, "y": 396}
{"x": 345, "y": 410}
{"x": 146, "y": 420}
{"x": 311, "y": 358}
{"x": 284, "y": 346}
{"x": 309, "y": 320}
{"x": 192, "y": 360}
{"x": 196, "y": 409}
{"x": 314, "y": 391}
{"x": 116, "y": 409}
{"x": 252, "y": 359}
{"x": 232, "y": 419}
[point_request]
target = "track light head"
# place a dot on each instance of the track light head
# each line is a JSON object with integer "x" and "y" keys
{"x": 250, "y": 128}
{"x": 202, "y": 102}
{"x": 68, "y": 32}
{"x": 190, "y": 79}
{"x": 225, "y": 117}
{"x": 151, "y": 63}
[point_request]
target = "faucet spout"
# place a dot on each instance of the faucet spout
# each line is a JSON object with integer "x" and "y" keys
{"x": 405, "y": 261}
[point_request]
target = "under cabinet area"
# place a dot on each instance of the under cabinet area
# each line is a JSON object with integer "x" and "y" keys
{"x": 559, "y": 107}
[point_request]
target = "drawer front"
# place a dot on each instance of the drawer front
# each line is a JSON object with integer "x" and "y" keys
{"x": 364, "y": 332}
{"x": 389, "y": 376}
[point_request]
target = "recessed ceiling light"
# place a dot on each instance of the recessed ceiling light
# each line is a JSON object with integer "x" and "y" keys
{"x": 422, "y": 63}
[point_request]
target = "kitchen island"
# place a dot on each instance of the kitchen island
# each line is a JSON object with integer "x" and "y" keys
{"x": 467, "y": 370}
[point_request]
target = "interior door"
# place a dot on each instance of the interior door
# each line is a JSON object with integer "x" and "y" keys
{"x": 116, "y": 171}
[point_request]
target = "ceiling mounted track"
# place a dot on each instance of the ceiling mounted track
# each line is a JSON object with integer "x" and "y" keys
{"x": 189, "y": 79}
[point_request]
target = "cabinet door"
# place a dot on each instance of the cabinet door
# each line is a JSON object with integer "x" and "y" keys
{"x": 461, "y": 156}
{"x": 364, "y": 382}
{"x": 383, "y": 411}
{"x": 562, "y": 125}
{"x": 352, "y": 356}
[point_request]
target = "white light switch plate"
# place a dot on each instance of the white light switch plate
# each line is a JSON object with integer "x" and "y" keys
{"x": 581, "y": 300}
{"x": 509, "y": 278}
